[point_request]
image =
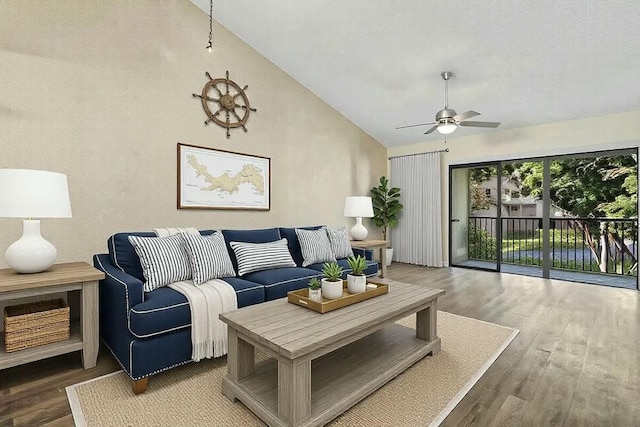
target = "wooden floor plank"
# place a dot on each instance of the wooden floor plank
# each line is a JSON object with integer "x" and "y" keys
{"x": 575, "y": 361}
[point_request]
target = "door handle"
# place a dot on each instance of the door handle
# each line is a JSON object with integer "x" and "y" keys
{"x": 455, "y": 220}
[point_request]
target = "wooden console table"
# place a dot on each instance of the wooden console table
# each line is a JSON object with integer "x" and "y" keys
{"x": 75, "y": 276}
{"x": 374, "y": 244}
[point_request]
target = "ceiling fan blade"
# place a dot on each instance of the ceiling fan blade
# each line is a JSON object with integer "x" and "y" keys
{"x": 431, "y": 129}
{"x": 464, "y": 116}
{"x": 412, "y": 126}
{"x": 480, "y": 124}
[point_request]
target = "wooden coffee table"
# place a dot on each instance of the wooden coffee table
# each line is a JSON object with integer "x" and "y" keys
{"x": 322, "y": 364}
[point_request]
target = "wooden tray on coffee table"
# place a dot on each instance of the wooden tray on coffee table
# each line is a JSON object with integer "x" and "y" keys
{"x": 301, "y": 297}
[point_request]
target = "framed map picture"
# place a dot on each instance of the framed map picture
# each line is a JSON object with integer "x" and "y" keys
{"x": 217, "y": 179}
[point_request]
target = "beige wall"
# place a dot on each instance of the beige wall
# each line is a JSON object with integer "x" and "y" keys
{"x": 597, "y": 133}
{"x": 101, "y": 91}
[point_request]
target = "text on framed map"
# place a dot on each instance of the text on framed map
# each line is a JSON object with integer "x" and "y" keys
{"x": 218, "y": 179}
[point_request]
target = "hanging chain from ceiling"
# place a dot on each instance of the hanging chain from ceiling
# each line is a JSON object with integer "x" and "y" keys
{"x": 210, "y": 46}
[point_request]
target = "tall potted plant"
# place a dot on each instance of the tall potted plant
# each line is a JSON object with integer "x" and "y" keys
{"x": 386, "y": 209}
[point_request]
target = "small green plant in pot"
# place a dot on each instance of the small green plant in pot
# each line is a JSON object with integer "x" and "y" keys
{"x": 386, "y": 209}
{"x": 315, "y": 292}
{"x": 332, "y": 281}
{"x": 356, "y": 281}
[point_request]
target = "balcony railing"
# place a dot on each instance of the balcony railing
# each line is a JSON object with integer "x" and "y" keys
{"x": 603, "y": 245}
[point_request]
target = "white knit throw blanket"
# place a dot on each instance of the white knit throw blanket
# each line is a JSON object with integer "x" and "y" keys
{"x": 206, "y": 302}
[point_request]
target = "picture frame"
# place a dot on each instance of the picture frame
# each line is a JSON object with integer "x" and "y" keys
{"x": 209, "y": 178}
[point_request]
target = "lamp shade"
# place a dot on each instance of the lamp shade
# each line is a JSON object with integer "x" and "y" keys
{"x": 358, "y": 206}
{"x": 27, "y": 193}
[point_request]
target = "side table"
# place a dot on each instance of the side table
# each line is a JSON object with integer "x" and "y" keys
{"x": 374, "y": 244}
{"x": 75, "y": 276}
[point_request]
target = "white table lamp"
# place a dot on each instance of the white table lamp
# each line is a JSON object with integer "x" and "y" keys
{"x": 358, "y": 207}
{"x": 32, "y": 194}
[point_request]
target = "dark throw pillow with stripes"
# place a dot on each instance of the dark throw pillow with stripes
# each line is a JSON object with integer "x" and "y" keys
{"x": 208, "y": 257}
{"x": 262, "y": 256}
{"x": 163, "y": 259}
{"x": 315, "y": 246}
{"x": 340, "y": 245}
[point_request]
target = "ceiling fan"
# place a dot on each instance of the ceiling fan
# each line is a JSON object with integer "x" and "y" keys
{"x": 447, "y": 120}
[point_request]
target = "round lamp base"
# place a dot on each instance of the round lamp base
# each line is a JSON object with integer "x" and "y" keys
{"x": 32, "y": 253}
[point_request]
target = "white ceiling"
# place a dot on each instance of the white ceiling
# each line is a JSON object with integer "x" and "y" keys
{"x": 378, "y": 63}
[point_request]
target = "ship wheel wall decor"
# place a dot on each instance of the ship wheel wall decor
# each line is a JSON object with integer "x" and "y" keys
{"x": 230, "y": 106}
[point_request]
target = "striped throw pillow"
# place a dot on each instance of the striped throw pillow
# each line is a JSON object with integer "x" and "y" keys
{"x": 315, "y": 246}
{"x": 262, "y": 256}
{"x": 340, "y": 245}
{"x": 163, "y": 260}
{"x": 208, "y": 257}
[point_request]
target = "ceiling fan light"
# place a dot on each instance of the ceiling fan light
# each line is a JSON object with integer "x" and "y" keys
{"x": 446, "y": 128}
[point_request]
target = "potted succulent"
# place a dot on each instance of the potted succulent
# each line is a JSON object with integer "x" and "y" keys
{"x": 356, "y": 281}
{"x": 315, "y": 292}
{"x": 332, "y": 280}
{"x": 386, "y": 209}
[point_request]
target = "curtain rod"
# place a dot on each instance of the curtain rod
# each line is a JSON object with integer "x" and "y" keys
{"x": 444, "y": 150}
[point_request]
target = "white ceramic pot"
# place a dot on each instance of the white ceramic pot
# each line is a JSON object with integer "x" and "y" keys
{"x": 331, "y": 290}
{"x": 356, "y": 284}
{"x": 315, "y": 294}
{"x": 389, "y": 256}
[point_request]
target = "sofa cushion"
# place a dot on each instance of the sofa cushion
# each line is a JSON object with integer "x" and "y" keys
{"x": 261, "y": 256}
{"x": 164, "y": 260}
{"x": 293, "y": 243}
{"x": 282, "y": 280}
{"x": 315, "y": 246}
{"x": 162, "y": 311}
{"x": 263, "y": 235}
{"x": 340, "y": 245}
{"x": 123, "y": 255}
{"x": 165, "y": 310}
{"x": 208, "y": 257}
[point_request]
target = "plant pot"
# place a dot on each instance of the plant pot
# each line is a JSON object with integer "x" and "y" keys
{"x": 315, "y": 295}
{"x": 389, "y": 256}
{"x": 356, "y": 284}
{"x": 331, "y": 290}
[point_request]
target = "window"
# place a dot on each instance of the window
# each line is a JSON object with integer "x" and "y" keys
{"x": 487, "y": 191}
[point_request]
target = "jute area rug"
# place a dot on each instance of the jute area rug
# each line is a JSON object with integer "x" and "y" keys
{"x": 190, "y": 395}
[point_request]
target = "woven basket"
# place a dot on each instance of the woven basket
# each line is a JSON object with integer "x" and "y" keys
{"x": 35, "y": 323}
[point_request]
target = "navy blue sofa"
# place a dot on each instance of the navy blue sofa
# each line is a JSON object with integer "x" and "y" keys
{"x": 150, "y": 332}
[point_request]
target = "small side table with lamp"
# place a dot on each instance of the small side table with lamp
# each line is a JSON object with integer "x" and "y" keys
{"x": 34, "y": 194}
{"x": 359, "y": 207}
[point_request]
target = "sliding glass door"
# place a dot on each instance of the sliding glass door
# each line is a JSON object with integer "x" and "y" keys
{"x": 571, "y": 217}
{"x": 474, "y": 210}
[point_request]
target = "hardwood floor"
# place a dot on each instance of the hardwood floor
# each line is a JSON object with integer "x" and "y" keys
{"x": 575, "y": 362}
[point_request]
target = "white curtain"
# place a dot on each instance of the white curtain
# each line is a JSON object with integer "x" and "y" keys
{"x": 418, "y": 237}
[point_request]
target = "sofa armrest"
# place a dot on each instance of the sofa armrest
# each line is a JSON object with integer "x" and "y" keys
{"x": 118, "y": 286}
{"x": 366, "y": 253}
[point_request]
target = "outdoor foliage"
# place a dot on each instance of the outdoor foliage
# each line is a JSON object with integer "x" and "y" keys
{"x": 591, "y": 190}
{"x": 481, "y": 244}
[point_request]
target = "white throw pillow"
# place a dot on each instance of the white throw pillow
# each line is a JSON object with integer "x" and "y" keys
{"x": 262, "y": 256}
{"x": 315, "y": 246}
{"x": 208, "y": 257}
{"x": 164, "y": 260}
{"x": 340, "y": 244}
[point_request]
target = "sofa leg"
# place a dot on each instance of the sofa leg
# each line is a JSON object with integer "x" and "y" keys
{"x": 140, "y": 386}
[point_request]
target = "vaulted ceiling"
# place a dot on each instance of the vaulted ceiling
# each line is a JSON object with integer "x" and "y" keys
{"x": 379, "y": 62}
